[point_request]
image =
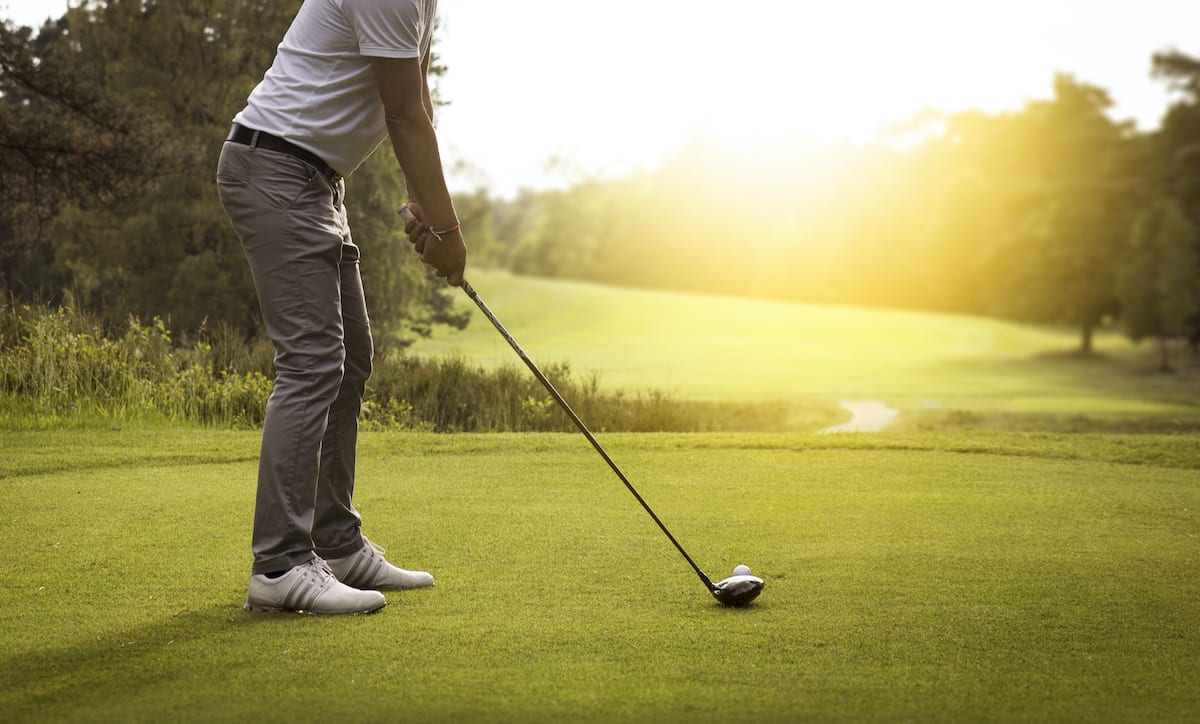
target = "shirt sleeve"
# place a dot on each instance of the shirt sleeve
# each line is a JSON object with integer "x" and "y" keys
{"x": 387, "y": 28}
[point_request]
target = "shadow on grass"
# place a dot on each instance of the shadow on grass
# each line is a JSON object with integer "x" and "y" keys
{"x": 194, "y": 653}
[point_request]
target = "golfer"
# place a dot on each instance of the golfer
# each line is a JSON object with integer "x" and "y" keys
{"x": 347, "y": 75}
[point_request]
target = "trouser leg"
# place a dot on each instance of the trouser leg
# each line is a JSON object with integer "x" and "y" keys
{"x": 336, "y": 529}
{"x": 292, "y": 232}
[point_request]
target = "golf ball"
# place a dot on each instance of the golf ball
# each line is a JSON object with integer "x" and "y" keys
{"x": 741, "y": 570}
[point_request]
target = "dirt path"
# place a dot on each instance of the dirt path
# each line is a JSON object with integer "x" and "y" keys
{"x": 866, "y": 416}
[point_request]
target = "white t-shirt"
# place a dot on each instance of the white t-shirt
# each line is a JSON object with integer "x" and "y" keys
{"x": 320, "y": 93}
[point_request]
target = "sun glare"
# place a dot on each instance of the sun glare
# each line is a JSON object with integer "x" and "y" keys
{"x": 615, "y": 88}
{"x": 847, "y": 71}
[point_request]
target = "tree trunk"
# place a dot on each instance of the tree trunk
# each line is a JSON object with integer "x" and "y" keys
{"x": 1085, "y": 340}
{"x": 1165, "y": 352}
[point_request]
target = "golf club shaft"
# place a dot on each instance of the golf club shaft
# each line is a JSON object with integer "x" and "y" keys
{"x": 579, "y": 423}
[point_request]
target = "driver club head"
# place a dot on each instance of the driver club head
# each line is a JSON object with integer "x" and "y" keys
{"x": 737, "y": 590}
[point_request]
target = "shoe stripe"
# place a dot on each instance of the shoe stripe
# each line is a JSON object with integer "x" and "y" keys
{"x": 293, "y": 599}
{"x": 365, "y": 569}
{"x": 286, "y": 604}
{"x": 303, "y": 593}
{"x": 370, "y": 572}
{"x": 352, "y": 574}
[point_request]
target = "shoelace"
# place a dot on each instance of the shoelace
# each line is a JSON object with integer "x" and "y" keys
{"x": 319, "y": 571}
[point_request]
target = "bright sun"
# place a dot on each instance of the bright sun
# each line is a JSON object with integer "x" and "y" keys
{"x": 617, "y": 86}
{"x": 844, "y": 71}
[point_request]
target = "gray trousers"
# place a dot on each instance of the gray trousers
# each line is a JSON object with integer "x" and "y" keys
{"x": 292, "y": 224}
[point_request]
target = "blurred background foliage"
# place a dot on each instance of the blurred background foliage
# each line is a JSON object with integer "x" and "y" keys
{"x": 112, "y": 117}
{"x": 111, "y": 121}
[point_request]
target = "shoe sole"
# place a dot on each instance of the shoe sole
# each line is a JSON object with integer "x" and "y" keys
{"x": 396, "y": 588}
{"x": 253, "y": 608}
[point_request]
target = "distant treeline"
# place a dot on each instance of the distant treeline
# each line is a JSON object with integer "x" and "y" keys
{"x": 111, "y": 119}
{"x": 1055, "y": 214}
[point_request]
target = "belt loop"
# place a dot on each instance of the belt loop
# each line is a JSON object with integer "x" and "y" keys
{"x": 254, "y": 140}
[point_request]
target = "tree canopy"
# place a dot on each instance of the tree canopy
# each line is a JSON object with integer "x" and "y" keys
{"x": 111, "y": 122}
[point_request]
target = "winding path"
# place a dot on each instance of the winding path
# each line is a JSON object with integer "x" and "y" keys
{"x": 866, "y": 416}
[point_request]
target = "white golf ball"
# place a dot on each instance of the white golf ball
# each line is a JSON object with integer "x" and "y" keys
{"x": 741, "y": 570}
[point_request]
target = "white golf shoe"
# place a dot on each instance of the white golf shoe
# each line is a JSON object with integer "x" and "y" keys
{"x": 367, "y": 569}
{"x": 310, "y": 588}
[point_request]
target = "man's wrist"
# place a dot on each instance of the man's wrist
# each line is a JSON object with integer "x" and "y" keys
{"x": 439, "y": 233}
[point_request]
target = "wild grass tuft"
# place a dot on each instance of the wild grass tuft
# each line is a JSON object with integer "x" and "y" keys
{"x": 58, "y": 365}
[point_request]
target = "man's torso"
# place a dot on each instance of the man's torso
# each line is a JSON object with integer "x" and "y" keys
{"x": 320, "y": 92}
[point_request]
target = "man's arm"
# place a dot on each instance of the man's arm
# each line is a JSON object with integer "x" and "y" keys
{"x": 404, "y": 89}
{"x": 427, "y": 100}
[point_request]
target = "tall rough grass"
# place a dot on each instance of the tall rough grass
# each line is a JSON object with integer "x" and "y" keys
{"x": 451, "y": 395}
{"x": 57, "y": 365}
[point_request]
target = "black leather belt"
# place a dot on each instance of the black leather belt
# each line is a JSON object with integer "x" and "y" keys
{"x": 262, "y": 139}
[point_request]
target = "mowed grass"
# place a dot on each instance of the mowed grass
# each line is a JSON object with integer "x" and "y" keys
{"x": 927, "y": 577}
{"x": 718, "y": 348}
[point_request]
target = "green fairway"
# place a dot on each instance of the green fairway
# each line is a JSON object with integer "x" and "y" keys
{"x": 707, "y": 347}
{"x": 926, "y": 577}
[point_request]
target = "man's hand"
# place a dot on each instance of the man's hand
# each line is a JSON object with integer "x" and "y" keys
{"x": 408, "y": 111}
{"x": 447, "y": 256}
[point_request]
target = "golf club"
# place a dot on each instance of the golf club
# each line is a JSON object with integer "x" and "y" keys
{"x": 736, "y": 590}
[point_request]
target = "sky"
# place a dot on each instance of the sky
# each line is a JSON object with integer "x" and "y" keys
{"x": 544, "y": 92}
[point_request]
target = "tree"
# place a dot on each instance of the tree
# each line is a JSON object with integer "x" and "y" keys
{"x": 1059, "y": 261}
{"x": 1158, "y": 284}
{"x": 167, "y": 77}
{"x": 64, "y": 137}
{"x": 1178, "y": 143}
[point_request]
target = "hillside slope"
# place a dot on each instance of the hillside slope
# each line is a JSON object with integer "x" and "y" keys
{"x": 711, "y": 347}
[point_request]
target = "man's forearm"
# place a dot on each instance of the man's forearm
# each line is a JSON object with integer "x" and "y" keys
{"x": 427, "y": 102}
{"x": 414, "y": 142}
